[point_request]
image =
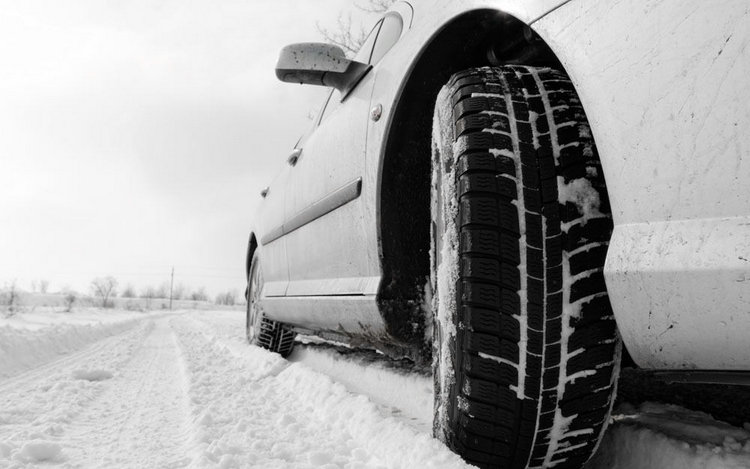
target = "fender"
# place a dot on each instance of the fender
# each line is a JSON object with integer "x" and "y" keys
{"x": 399, "y": 153}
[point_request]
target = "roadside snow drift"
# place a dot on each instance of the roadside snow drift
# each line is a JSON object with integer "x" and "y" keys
{"x": 30, "y": 339}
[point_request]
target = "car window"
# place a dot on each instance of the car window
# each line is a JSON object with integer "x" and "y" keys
{"x": 332, "y": 102}
{"x": 389, "y": 33}
{"x": 364, "y": 53}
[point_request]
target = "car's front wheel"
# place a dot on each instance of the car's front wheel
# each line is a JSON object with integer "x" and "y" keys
{"x": 526, "y": 351}
{"x": 260, "y": 330}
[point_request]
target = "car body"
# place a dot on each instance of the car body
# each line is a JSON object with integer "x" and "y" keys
{"x": 665, "y": 89}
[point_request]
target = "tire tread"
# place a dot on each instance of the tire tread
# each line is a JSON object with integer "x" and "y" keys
{"x": 505, "y": 125}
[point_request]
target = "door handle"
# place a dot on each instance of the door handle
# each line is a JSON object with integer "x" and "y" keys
{"x": 296, "y": 153}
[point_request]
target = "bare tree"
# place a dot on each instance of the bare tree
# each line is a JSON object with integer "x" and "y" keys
{"x": 43, "y": 286}
{"x": 344, "y": 35}
{"x": 227, "y": 298}
{"x": 129, "y": 292}
{"x": 348, "y": 36}
{"x": 104, "y": 288}
{"x": 69, "y": 299}
{"x": 179, "y": 291}
{"x": 199, "y": 295}
{"x": 163, "y": 290}
{"x": 375, "y": 6}
{"x": 9, "y": 298}
{"x": 148, "y": 293}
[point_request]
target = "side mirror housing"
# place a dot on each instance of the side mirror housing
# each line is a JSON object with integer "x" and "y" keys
{"x": 319, "y": 64}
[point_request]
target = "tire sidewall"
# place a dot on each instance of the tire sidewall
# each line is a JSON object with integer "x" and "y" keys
{"x": 444, "y": 303}
{"x": 253, "y": 316}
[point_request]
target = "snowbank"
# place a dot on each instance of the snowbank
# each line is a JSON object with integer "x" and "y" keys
{"x": 30, "y": 339}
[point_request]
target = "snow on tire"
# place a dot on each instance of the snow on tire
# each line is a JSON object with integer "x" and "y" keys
{"x": 526, "y": 351}
{"x": 260, "y": 330}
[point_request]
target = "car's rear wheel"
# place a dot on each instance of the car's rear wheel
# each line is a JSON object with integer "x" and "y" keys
{"x": 260, "y": 330}
{"x": 526, "y": 351}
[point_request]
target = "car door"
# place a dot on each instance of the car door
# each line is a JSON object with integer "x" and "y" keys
{"x": 269, "y": 217}
{"x": 325, "y": 211}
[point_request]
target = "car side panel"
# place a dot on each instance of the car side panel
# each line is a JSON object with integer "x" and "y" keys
{"x": 665, "y": 87}
{"x": 273, "y": 253}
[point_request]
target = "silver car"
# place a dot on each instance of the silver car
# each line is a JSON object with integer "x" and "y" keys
{"x": 510, "y": 188}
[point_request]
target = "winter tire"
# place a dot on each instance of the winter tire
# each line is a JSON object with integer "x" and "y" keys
{"x": 261, "y": 331}
{"x": 526, "y": 351}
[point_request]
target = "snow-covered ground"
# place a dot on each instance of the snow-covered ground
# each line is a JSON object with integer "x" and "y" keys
{"x": 122, "y": 389}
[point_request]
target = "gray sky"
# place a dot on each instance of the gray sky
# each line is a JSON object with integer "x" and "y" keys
{"x": 135, "y": 135}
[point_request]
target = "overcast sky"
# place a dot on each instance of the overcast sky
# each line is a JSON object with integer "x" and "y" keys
{"x": 136, "y": 135}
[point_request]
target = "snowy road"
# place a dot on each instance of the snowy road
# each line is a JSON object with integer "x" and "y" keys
{"x": 181, "y": 391}
{"x": 185, "y": 390}
{"x": 142, "y": 417}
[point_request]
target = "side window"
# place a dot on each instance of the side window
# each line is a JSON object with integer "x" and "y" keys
{"x": 389, "y": 34}
{"x": 332, "y": 102}
{"x": 364, "y": 53}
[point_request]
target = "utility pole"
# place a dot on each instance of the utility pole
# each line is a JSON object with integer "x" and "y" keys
{"x": 171, "y": 284}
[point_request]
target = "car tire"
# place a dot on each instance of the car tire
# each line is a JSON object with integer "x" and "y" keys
{"x": 526, "y": 351}
{"x": 260, "y": 330}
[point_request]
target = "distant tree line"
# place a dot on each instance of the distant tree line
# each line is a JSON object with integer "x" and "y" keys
{"x": 39, "y": 286}
{"x": 105, "y": 289}
{"x": 179, "y": 292}
{"x": 228, "y": 298}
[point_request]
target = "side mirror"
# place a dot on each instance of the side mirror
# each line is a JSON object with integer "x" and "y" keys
{"x": 319, "y": 64}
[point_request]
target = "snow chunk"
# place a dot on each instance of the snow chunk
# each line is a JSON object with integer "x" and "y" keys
{"x": 582, "y": 194}
{"x": 320, "y": 458}
{"x": 40, "y": 451}
{"x": 680, "y": 423}
{"x": 92, "y": 375}
{"x": 670, "y": 437}
{"x": 5, "y": 449}
{"x": 206, "y": 419}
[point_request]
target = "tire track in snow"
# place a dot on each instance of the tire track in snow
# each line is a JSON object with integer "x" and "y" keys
{"x": 254, "y": 409}
{"x": 97, "y": 349}
{"x": 141, "y": 420}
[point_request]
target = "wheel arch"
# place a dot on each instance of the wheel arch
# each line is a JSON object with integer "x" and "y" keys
{"x": 488, "y": 37}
